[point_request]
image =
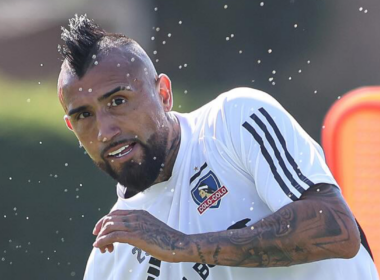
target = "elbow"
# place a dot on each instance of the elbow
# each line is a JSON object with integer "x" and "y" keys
{"x": 351, "y": 247}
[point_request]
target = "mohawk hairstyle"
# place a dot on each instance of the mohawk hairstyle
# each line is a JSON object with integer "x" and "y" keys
{"x": 82, "y": 41}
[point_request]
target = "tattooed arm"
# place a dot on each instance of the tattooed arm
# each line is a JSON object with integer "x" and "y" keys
{"x": 318, "y": 226}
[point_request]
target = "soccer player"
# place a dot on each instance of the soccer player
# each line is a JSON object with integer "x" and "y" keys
{"x": 272, "y": 210}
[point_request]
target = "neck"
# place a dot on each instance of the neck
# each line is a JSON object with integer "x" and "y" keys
{"x": 174, "y": 141}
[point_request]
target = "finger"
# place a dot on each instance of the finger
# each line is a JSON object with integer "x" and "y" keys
{"x": 100, "y": 224}
{"x": 108, "y": 248}
{"x": 113, "y": 226}
{"x": 116, "y": 236}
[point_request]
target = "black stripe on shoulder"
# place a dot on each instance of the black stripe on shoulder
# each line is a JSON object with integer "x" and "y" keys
{"x": 268, "y": 158}
{"x": 283, "y": 144}
{"x": 277, "y": 153}
{"x": 363, "y": 239}
{"x": 196, "y": 175}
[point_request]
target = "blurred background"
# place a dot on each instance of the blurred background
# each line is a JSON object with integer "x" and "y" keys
{"x": 307, "y": 54}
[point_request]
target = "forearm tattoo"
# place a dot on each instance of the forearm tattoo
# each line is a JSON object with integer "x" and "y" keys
{"x": 304, "y": 231}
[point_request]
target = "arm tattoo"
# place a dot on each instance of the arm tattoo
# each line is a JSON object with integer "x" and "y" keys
{"x": 200, "y": 254}
{"x": 318, "y": 226}
{"x": 216, "y": 254}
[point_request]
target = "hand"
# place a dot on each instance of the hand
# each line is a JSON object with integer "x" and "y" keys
{"x": 141, "y": 229}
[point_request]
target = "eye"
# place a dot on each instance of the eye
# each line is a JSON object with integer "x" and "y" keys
{"x": 84, "y": 115}
{"x": 117, "y": 101}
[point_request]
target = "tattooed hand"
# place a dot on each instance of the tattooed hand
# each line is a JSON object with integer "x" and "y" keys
{"x": 141, "y": 229}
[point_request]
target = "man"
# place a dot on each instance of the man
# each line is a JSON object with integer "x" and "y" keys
{"x": 273, "y": 205}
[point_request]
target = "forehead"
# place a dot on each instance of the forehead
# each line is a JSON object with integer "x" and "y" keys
{"x": 108, "y": 70}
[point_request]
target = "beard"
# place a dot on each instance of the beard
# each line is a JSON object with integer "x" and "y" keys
{"x": 139, "y": 176}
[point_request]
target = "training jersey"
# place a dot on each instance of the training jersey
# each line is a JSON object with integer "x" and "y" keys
{"x": 242, "y": 157}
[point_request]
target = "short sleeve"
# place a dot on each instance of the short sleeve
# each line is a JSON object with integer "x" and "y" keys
{"x": 282, "y": 159}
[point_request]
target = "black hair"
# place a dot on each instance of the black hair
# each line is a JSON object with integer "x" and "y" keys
{"x": 82, "y": 43}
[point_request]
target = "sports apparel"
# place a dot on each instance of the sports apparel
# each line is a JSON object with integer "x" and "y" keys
{"x": 242, "y": 157}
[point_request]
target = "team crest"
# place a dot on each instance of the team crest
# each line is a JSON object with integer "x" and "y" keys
{"x": 208, "y": 192}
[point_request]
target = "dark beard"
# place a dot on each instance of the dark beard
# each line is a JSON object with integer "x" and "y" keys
{"x": 135, "y": 177}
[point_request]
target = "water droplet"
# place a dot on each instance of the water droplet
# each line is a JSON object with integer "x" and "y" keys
{"x": 232, "y": 35}
{"x": 300, "y": 71}
{"x": 308, "y": 62}
{"x": 40, "y": 142}
{"x": 80, "y": 89}
{"x": 180, "y": 22}
{"x": 154, "y": 52}
{"x": 227, "y": 38}
{"x": 361, "y": 9}
{"x": 155, "y": 9}
{"x": 240, "y": 52}
{"x": 262, "y": 4}
{"x": 66, "y": 164}
{"x": 28, "y": 100}
{"x": 320, "y": 211}
{"x": 225, "y": 6}
{"x": 323, "y": 127}
{"x": 152, "y": 38}
{"x": 157, "y": 29}
{"x": 72, "y": 273}
{"x": 270, "y": 79}
{"x": 118, "y": 65}
{"x": 163, "y": 42}
{"x": 90, "y": 90}
{"x": 315, "y": 91}
{"x": 96, "y": 62}
{"x": 270, "y": 51}
{"x": 185, "y": 92}
{"x": 169, "y": 35}
{"x": 274, "y": 72}
{"x": 295, "y": 25}
{"x": 338, "y": 97}
{"x": 290, "y": 78}
{"x": 365, "y": 11}
{"x": 41, "y": 64}
{"x": 259, "y": 61}
{"x": 251, "y": 209}
{"x": 132, "y": 59}
{"x": 185, "y": 65}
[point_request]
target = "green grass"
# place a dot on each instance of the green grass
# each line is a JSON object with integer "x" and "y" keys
{"x": 29, "y": 107}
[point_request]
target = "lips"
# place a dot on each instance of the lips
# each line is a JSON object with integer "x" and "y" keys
{"x": 120, "y": 150}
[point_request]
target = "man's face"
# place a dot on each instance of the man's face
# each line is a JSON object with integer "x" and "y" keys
{"x": 118, "y": 114}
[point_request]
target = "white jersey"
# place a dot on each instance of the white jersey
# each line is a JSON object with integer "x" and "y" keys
{"x": 242, "y": 157}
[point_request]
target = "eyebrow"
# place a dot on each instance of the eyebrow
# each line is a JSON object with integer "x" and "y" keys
{"x": 101, "y": 98}
{"x": 111, "y": 92}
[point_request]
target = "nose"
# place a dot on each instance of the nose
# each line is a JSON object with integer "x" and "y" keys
{"x": 107, "y": 129}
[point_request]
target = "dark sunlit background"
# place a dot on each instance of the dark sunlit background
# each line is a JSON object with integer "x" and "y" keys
{"x": 307, "y": 54}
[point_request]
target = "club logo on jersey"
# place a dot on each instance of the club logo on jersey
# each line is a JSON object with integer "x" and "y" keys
{"x": 208, "y": 192}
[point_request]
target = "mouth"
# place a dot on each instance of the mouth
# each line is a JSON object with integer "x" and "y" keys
{"x": 120, "y": 151}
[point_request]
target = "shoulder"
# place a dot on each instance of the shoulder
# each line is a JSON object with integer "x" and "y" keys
{"x": 229, "y": 103}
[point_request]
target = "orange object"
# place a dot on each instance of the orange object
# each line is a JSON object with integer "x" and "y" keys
{"x": 351, "y": 141}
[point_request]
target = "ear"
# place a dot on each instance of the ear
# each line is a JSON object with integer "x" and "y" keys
{"x": 165, "y": 92}
{"x": 68, "y": 123}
